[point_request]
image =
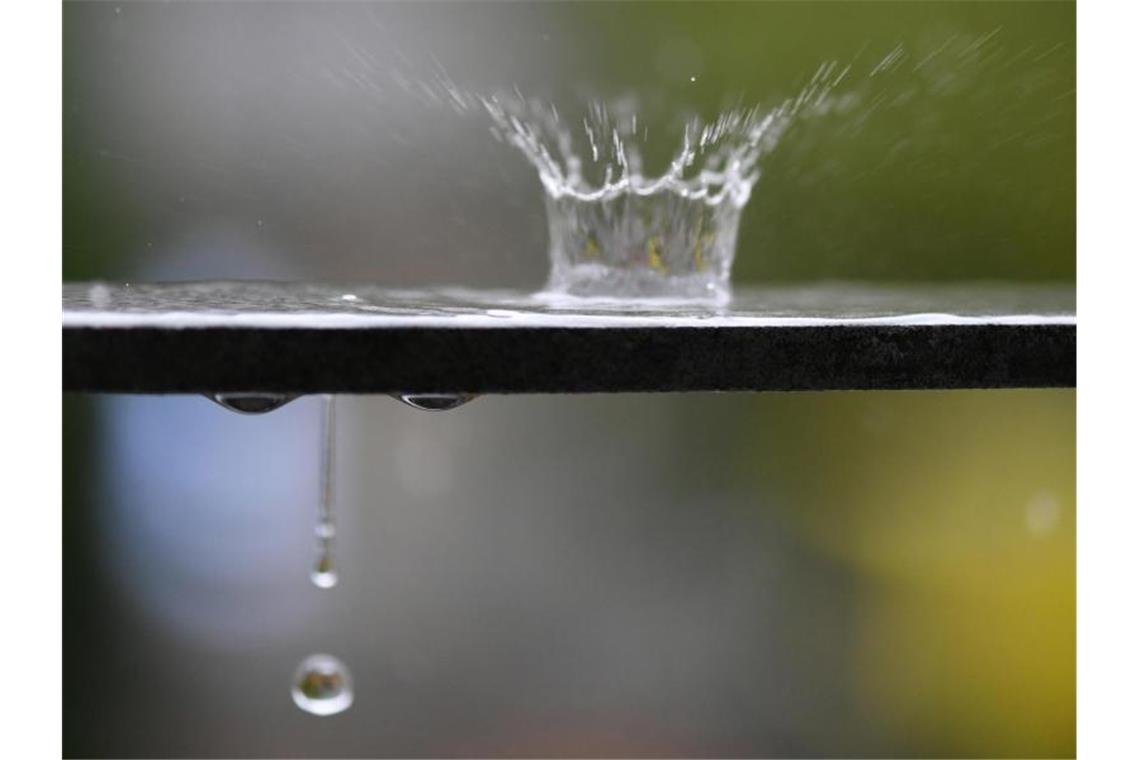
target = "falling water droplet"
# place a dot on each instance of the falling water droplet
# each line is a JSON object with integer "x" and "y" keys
{"x": 251, "y": 403}
{"x": 435, "y": 402}
{"x": 324, "y": 574}
{"x": 322, "y": 685}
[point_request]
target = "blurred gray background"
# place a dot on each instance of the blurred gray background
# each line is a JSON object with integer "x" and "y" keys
{"x": 645, "y": 575}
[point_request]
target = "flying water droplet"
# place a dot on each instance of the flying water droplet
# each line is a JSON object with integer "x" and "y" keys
{"x": 322, "y": 685}
{"x": 435, "y": 402}
{"x": 324, "y": 575}
{"x": 251, "y": 403}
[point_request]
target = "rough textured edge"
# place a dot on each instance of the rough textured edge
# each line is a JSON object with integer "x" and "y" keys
{"x": 504, "y": 320}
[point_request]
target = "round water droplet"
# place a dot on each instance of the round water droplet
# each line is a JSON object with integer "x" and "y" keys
{"x": 322, "y": 685}
{"x": 435, "y": 402}
{"x": 324, "y": 574}
{"x": 251, "y": 403}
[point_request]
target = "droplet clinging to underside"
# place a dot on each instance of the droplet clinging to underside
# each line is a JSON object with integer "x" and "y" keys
{"x": 435, "y": 402}
{"x": 250, "y": 403}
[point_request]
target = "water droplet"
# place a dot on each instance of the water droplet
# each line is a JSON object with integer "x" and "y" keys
{"x": 435, "y": 402}
{"x": 251, "y": 403}
{"x": 324, "y": 575}
{"x": 322, "y": 685}
{"x": 692, "y": 79}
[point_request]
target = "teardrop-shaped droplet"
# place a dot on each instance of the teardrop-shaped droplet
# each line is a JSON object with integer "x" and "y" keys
{"x": 324, "y": 574}
{"x": 251, "y": 403}
{"x": 435, "y": 402}
{"x": 322, "y": 685}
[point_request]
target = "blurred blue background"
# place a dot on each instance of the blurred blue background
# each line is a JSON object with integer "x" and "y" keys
{"x": 742, "y": 574}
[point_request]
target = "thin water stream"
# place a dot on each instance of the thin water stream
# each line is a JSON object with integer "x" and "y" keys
{"x": 322, "y": 683}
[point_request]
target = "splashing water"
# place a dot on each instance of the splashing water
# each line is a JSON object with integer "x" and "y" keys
{"x": 324, "y": 575}
{"x": 619, "y": 230}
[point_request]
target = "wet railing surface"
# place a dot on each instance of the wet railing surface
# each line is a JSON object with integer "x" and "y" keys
{"x": 309, "y": 338}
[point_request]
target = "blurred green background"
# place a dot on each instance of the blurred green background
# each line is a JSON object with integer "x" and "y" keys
{"x": 760, "y": 574}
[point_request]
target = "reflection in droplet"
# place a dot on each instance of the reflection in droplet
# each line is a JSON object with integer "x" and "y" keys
{"x": 435, "y": 402}
{"x": 324, "y": 574}
{"x": 322, "y": 685}
{"x": 251, "y": 403}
